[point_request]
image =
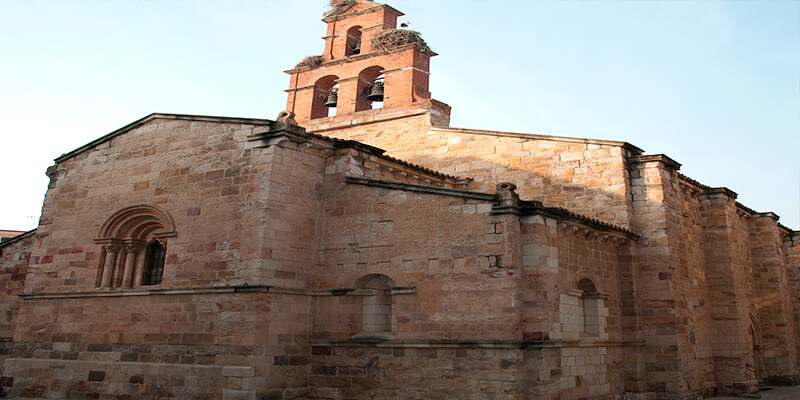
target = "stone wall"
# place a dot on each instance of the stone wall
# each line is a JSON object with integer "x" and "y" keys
{"x": 418, "y": 240}
{"x": 729, "y": 280}
{"x": 14, "y": 259}
{"x": 243, "y": 215}
{"x": 665, "y": 314}
{"x": 203, "y": 175}
{"x": 792, "y": 251}
{"x": 586, "y": 176}
{"x": 777, "y": 361}
{"x": 198, "y": 344}
{"x": 692, "y": 286}
{"x": 389, "y": 371}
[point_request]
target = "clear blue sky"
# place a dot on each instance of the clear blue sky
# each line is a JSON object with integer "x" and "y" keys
{"x": 714, "y": 85}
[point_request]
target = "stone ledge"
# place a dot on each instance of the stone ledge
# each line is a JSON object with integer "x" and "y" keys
{"x": 668, "y": 162}
{"x": 479, "y": 344}
{"x": 201, "y": 290}
{"x": 419, "y": 188}
{"x": 146, "y": 292}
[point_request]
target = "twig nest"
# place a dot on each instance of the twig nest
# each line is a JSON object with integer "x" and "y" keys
{"x": 338, "y": 3}
{"x": 310, "y": 62}
{"x": 390, "y": 39}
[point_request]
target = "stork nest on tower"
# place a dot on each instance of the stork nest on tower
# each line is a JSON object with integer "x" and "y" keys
{"x": 391, "y": 39}
{"x": 310, "y": 62}
{"x": 338, "y": 3}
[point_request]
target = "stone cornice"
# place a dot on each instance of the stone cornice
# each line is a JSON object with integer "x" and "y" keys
{"x": 668, "y": 162}
{"x": 21, "y": 236}
{"x": 477, "y": 344}
{"x": 768, "y": 214}
{"x": 633, "y": 149}
{"x": 371, "y": 116}
{"x": 573, "y": 222}
{"x": 420, "y": 188}
{"x": 359, "y": 57}
{"x": 723, "y": 191}
{"x": 204, "y": 290}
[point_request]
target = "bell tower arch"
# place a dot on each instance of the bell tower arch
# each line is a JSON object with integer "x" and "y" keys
{"x": 375, "y": 67}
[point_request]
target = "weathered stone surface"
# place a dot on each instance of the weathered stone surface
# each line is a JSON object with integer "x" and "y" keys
{"x": 295, "y": 265}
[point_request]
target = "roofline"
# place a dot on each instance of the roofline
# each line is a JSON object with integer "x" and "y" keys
{"x": 526, "y": 207}
{"x": 8, "y": 241}
{"x": 626, "y": 145}
{"x": 135, "y": 124}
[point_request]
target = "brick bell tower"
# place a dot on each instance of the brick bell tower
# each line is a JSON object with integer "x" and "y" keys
{"x": 368, "y": 68}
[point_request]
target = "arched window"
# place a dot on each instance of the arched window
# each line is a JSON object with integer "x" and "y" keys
{"x": 583, "y": 313}
{"x": 134, "y": 242}
{"x": 353, "y": 41}
{"x": 324, "y": 88}
{"x": 153, "y": 270}
{"x": 371, "y": 86}
{"x": 376, "y": 306}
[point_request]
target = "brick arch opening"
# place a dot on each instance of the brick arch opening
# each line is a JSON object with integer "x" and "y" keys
{"x": 323, "y": 87}
{"x": 134, "y": 242}
{"x": 353, "y": 41}
{"x": 368, "y": 78}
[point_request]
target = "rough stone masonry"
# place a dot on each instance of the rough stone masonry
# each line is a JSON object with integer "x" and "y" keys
{"x": 357, "y": 247}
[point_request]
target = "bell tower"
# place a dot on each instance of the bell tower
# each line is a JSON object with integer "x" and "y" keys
{"x": 369, "y": 67}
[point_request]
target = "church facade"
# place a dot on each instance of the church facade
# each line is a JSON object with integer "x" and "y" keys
{"x": 358, "y": 247}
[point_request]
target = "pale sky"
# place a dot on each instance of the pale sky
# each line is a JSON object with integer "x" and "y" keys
{"x": 713, "y": 85}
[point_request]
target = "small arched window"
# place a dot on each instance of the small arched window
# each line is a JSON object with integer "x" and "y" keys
{"x": 590, "y": 304}
{"x": 376, "y": 306}
{"x": 134, "y": 242}
{"x": 153, "y": 270}
{"x": 353, "y": 41}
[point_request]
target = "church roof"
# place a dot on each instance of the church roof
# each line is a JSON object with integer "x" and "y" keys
{"x": 251, "y": 121}
{"x": 135, "y": 124}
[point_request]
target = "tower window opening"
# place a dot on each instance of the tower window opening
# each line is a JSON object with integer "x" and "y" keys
{"x": 332, "y": 100}
{"x": 371, "y": 86}
{"x": 326, "y": 97}
{"x": 353, "y": 41}
{"x": 375, "y": 92}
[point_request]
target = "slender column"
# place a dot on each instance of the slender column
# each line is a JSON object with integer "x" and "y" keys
{"x": 130, "y": 260}
{"x": 139, "y": 269}
{"x": 108, "y": 267}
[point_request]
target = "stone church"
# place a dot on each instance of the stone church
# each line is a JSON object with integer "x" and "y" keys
{"x": 358, "y": 247}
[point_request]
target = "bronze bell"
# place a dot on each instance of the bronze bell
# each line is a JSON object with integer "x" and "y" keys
{"x": 356, "y": 48}
{"x": 332, "y": 98}
{"x": 376, "y": 92}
